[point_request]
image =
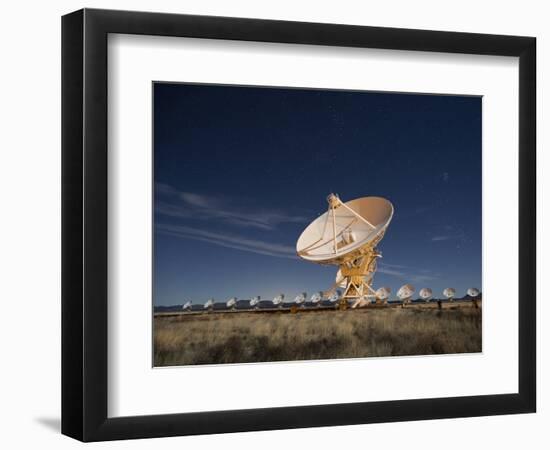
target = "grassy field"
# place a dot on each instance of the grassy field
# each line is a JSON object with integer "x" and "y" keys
{"x": 256, "y": 337}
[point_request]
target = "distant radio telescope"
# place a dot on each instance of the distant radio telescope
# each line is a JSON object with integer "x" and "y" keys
{"x": 300, "y": 299}
{"x": 474, "y": 295}
{"x": 278, "y": 300}
{"x": 232, "y": 302}
{"x": 340, "y": 280}
{"x": 449, "y": 293}
{"x": 255, "y": 301}
{"x": 187, "y": 306}
{"x": 316, "y": 298}
{"x": 383, "y": 293}
{"x": 425, "y": 294}
{"x": 209, "y": 304}
{"x": 405, "y": 293}
{"x": 335, "y": 297}
{"x": 346, "y": 236}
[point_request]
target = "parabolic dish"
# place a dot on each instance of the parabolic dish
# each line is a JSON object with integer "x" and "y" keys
{"x": 473, "y": 292}
{"x": 339, "y": 231}
{"x": 405, "y": 291}
{"x": 449, "y": 292}
{"x": 335, "y": 296}
{"x": 425, "y": 293}
{"x": 254, "y": 300}
{"x": 187, "y": 305}
{"x": 383, "y": 293}
{"x": 316, "y": 298}
{"x": 340, "y": 279}
{"x": 231, "y": 302}
{"x": 301, "y": 298}
{"x": 209, "y": 304}
{"x": 279, "y": 299}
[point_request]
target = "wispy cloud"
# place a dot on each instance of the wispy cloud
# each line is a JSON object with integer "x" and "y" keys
{"x": 443, "y": 238}
{"x": 262, "y": 247}
{"x": 393, "y": 266}
{"x": 405, "y": 274}
{"x": 229, "y": 241}
{"x": 229, "y": 211}
{"x": 450, "y": 233}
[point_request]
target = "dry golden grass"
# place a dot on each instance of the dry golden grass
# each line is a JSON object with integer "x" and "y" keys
{"x": 257, "y": 337}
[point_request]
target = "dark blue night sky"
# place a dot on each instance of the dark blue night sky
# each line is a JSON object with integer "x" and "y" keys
{"x": 240, "y": 172}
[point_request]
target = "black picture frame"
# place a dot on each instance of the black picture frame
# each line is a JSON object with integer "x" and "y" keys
{"x": 84, "y": 224}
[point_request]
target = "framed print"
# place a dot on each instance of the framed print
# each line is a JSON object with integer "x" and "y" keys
{"x": 308, "y": 222}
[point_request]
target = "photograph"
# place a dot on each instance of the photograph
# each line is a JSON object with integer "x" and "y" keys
{"x": 313, "y": 224}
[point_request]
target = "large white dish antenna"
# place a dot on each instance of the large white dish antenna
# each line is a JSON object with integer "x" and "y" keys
{"x": 254, "y": 301}
{"x": 316, "y": 298}
{"x": 340, "y": 280}
{"x": 473, "y": 292}
{"x": 425, "y": 294}
{"x": 347, "y": 236}
{"x": 232, "y": 302}
{"x": 300, "y": 298}
{"x": 405, "y": 292}
{"x": 187, "y": 305}
{"x": 279, "y": 299}
{"x": 449, "y": 293}
{"x": 335, "y": 296}
{"x": 383, "y": 293}
{"x": 209, "y": 304}
{"x": 344, "y": 229}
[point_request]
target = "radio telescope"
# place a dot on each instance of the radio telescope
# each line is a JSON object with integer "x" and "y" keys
{"x": 316, "y": 298}
{"x": 255, "y": 301}
{"x": 474, "y": 295}
{"x": 232, "y": 302}
{"x": 449, "y": 293}
{"x": 425, "y": 294}
{"x": 278, "y": 301}
{"x": 187, "y": 306}
{"x": 361, "y": 302}
{"x": 340, "y": 280}
{"x": 346, "y": 236}
{"x": 335, "y": 296}
{"x": 405, "y": 293}
{"x": 209, "y": 304}
{"x": 300, "y": 299}
{"x": 382, "y": 294}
